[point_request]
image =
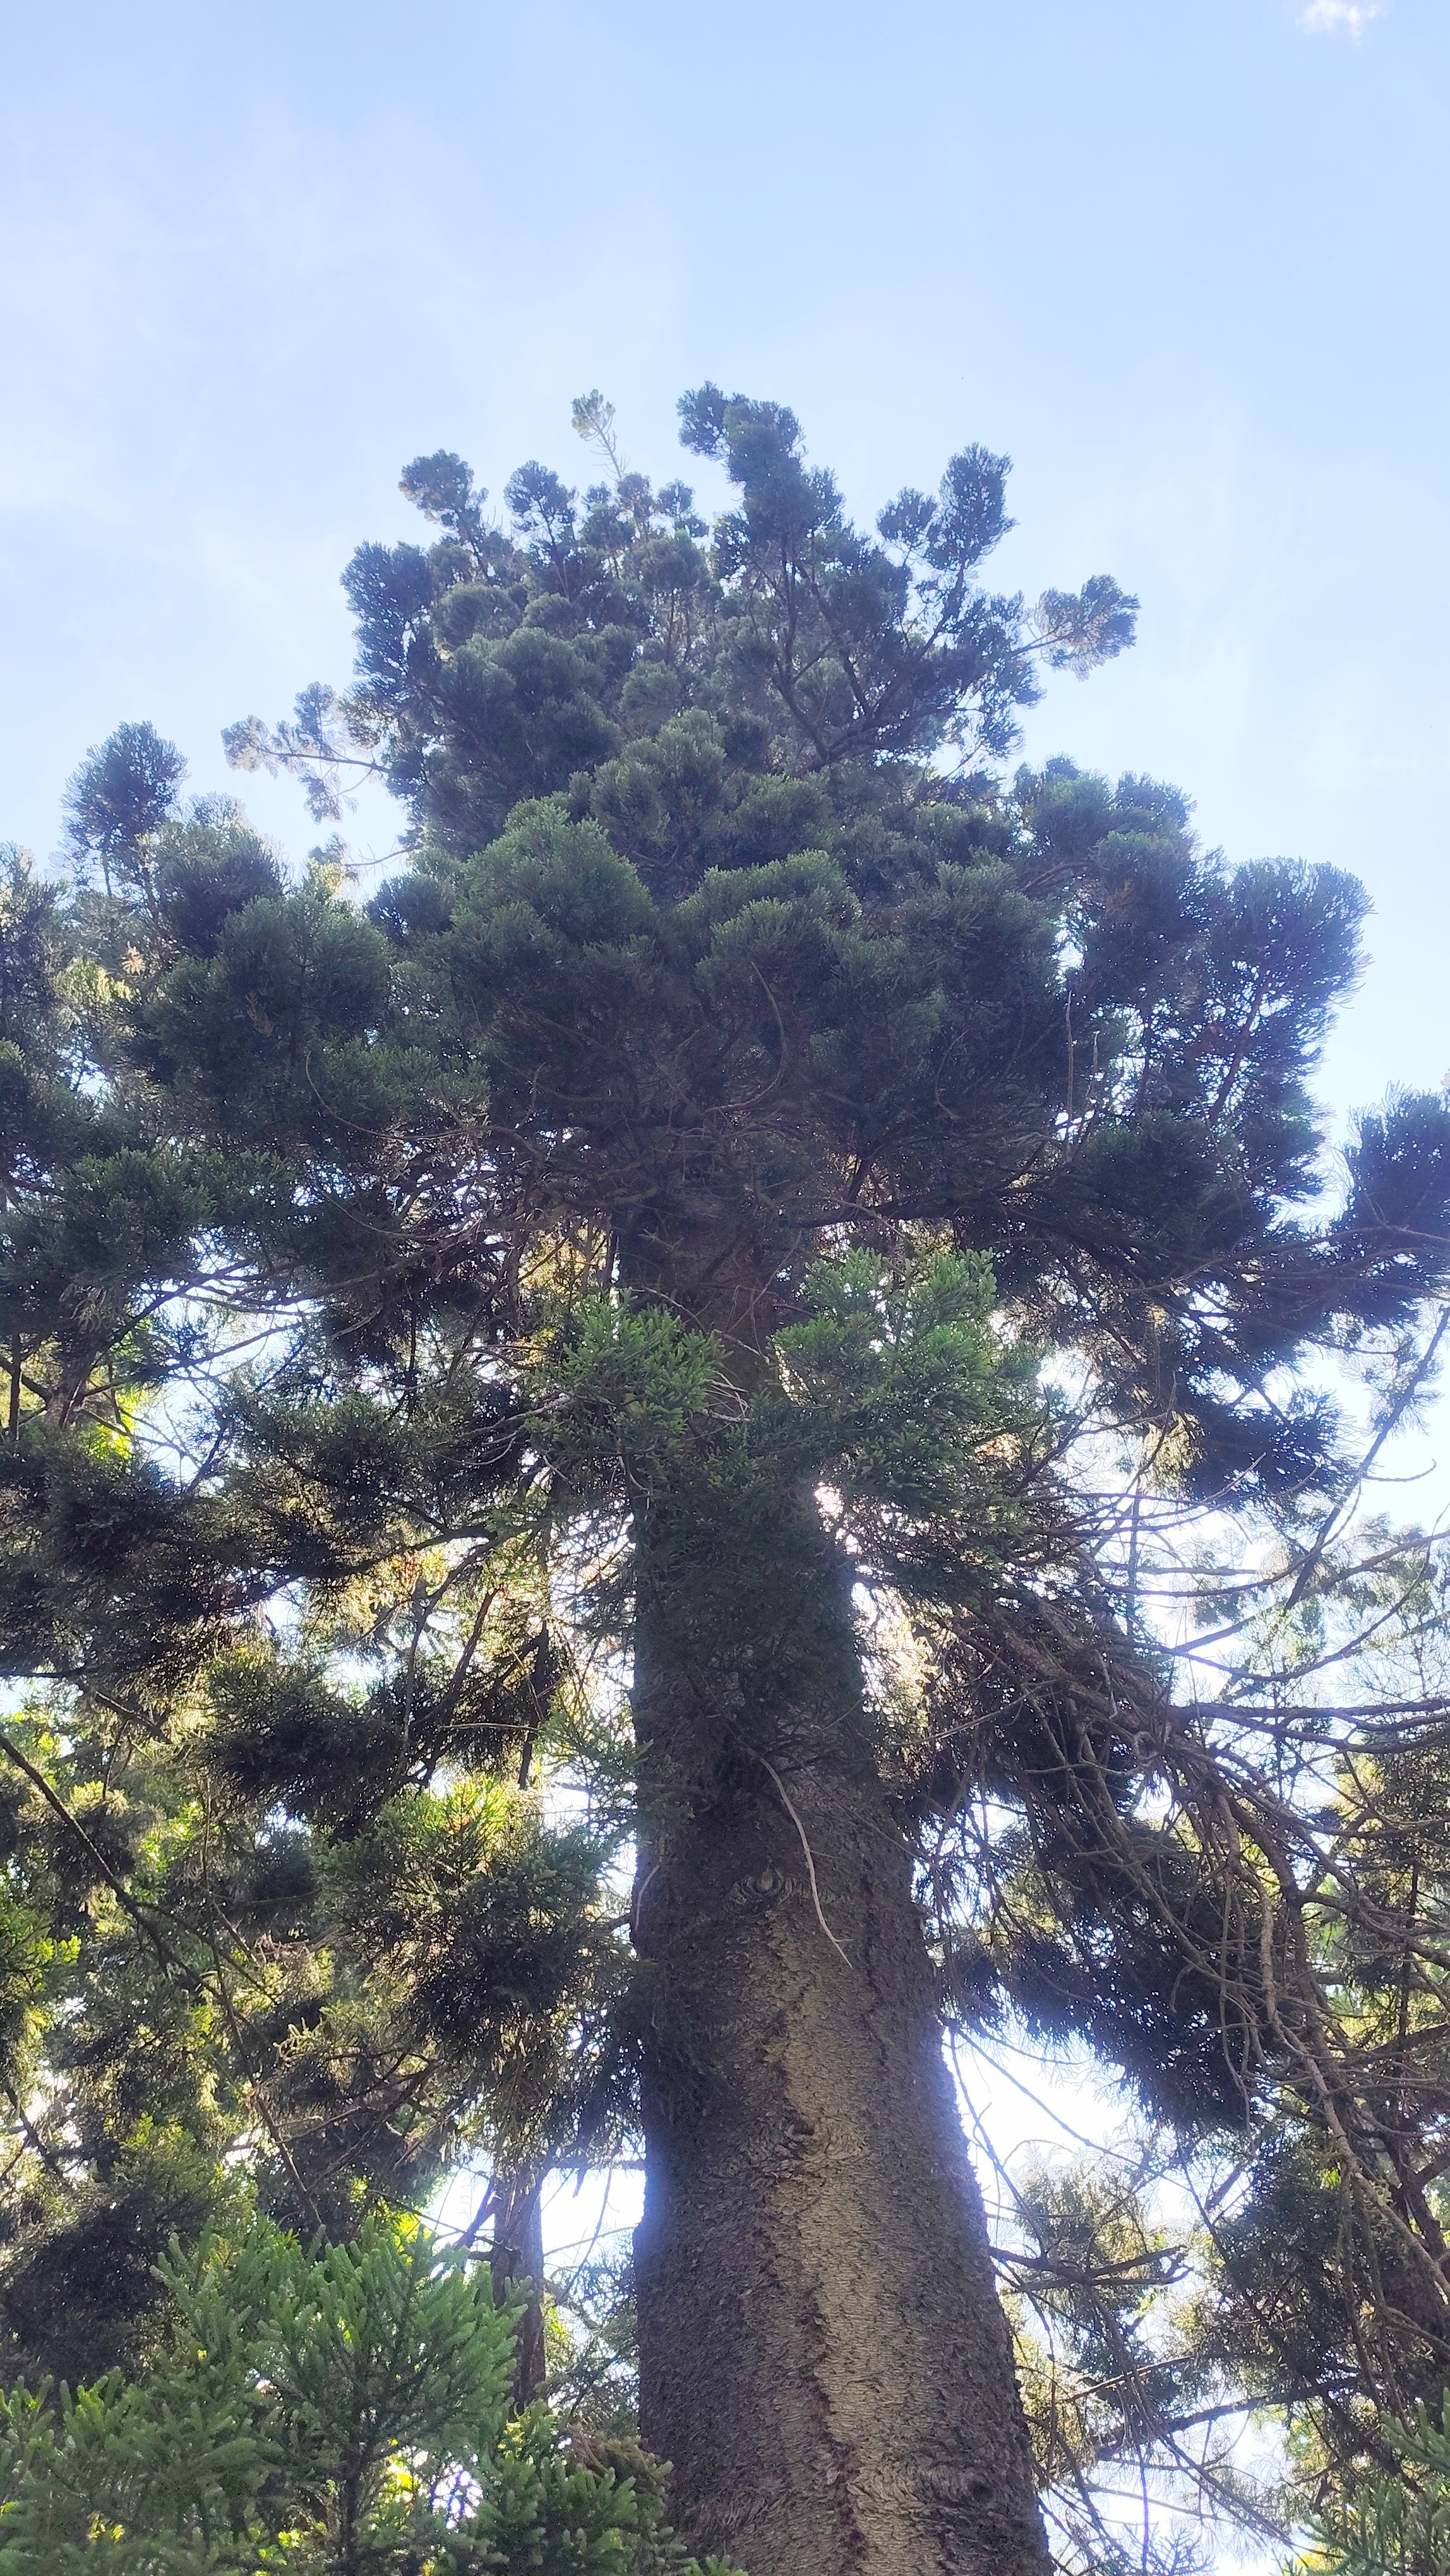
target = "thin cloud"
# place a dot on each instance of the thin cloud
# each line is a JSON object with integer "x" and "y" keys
{"x": 1340, "y": 17}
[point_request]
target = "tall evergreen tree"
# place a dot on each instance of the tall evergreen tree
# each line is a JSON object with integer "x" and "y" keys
{"x": 640, "y": 1231}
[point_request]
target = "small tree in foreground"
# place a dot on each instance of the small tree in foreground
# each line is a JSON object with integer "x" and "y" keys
{"x": 334, "y": 2413}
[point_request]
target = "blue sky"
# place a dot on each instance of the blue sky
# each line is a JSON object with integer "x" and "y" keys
{"x": 1183, "y": 259}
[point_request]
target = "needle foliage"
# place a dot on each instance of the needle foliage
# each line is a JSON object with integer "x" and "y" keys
{"x": 746, "y": 1088}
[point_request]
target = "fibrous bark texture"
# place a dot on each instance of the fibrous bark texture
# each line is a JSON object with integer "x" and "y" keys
{"x": 518, "y": 2261}
{"x": 823, "y": 2355}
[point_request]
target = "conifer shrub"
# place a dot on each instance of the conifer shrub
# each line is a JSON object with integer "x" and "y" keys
{"x": 342, "y": 2410}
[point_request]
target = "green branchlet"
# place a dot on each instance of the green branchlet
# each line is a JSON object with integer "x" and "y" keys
{"x": 339, "y": 2412}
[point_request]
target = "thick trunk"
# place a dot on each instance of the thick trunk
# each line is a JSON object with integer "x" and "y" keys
{"x": 823, "y": 2355}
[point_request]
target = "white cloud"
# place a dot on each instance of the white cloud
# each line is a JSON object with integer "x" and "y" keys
{"x": 1333, "y": 17}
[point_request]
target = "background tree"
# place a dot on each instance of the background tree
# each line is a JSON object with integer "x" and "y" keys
{"x": 739, "y": 1093}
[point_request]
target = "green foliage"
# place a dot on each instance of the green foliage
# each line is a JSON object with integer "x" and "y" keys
{"x": 901, "y": 1387}
{"x": 122, "y": 795}
{"x": 896, "y": 1385}
{"x": 632, "y": 1385}
{"x": 339, "y": 2412}
{"x": 746, "y": 1087}
{"x": 1396, "y": 2521}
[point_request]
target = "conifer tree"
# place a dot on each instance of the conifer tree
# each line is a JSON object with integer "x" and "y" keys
{"x": 636, "y": 1234}
{"x": 338, "y": 2413}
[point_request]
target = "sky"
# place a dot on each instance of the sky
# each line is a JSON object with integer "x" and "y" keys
{"x": 1183, "y": 260}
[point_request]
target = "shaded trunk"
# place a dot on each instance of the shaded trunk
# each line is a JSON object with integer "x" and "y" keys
{"x": 518, "y": 2259}
{"x": 823, "y": 2355}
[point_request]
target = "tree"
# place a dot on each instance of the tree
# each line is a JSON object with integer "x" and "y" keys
{"x": 1396, "y": 2524}
{"x": 740, "y": 1090}
{"x": 1294, "y": 2270}
{"x": 339, "y": 2413}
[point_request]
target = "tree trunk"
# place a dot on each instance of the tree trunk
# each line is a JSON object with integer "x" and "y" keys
{"x": 822, "y": 2353}
{"x": 518, "y": 2257}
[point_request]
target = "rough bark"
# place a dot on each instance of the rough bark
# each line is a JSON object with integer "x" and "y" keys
{"x": 517, "y": 2261}
{"x": 823, "y": 2355}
